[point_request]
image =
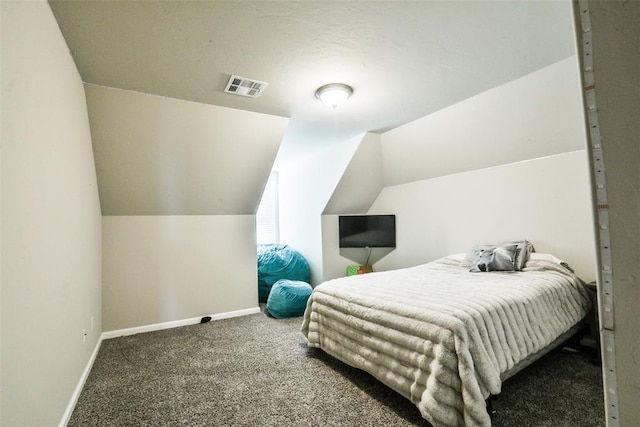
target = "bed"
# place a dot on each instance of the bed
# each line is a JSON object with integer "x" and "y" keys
{"x": 446, "y": 337}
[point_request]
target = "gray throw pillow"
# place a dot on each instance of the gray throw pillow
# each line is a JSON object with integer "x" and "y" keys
{"x": 523, "y": 250}
{"x": 494, "y": 258}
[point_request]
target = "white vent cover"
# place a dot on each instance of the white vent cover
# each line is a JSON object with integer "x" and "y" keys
{"x": 245, "y": 87}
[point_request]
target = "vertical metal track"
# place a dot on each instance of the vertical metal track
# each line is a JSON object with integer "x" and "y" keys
{"x": 605, "y": 273}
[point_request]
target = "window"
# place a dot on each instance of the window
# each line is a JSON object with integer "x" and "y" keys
{"x": 267, "y": 230}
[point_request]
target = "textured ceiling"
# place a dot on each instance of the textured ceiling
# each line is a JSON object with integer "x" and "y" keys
{"x": 404, "y": 59}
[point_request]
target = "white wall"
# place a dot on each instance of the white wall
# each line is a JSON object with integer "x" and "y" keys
{"x": 159, "y": 269}
{"x": 506, "y": 164}
{"x": 546, "y": 201}
{"x": 535, "y": 128}
{"x": 179, "y": 183}
{"x": 305, "y": 188}
{"x": 51, "y": 223}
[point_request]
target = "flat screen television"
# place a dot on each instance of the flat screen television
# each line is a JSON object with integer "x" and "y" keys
{"x": 367, "y": 231}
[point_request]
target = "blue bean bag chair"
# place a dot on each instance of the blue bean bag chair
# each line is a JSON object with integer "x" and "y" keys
{"x": 276, "y": 262}
{"x": 288, "y": 298}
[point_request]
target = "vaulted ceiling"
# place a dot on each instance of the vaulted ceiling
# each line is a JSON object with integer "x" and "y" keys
{"x": 404, "y": 59}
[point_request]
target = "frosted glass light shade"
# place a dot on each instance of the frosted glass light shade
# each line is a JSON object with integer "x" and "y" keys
{"x": 334, "y": 95}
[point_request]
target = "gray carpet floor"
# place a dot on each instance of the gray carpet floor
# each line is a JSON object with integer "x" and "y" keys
{"x": 257, "y": 371}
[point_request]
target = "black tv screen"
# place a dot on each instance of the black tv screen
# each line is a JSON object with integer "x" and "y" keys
{"x": 367, "y": 231}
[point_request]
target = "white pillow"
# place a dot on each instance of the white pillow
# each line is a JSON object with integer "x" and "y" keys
{"x": 537, "y": 256}
{"x": 457, "y": 257}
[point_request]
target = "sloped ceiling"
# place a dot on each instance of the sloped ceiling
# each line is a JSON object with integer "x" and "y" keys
{"x": 164, "y": 156}
{"x": 361, "y": 182}
{"x": 404, "y": 59}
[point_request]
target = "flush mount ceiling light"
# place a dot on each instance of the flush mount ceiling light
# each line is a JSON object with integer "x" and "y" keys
{"x": 334, "y": 95}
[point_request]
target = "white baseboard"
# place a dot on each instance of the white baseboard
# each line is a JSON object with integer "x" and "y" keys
{"x": 176, "y": 323}
{"x": 76, "y": 393}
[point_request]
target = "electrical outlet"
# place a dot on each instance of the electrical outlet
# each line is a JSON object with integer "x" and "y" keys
{"x": 84, "y": 336}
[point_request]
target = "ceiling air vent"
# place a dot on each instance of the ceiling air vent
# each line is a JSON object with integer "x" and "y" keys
{"x": 245, "y": 87}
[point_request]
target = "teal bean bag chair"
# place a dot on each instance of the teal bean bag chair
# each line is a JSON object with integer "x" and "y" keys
{"x": 288, "y": 298}
{"x": 276, "y": 262}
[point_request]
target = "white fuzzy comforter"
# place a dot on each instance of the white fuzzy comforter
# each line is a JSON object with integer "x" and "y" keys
{"x": 441, "y": 336}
